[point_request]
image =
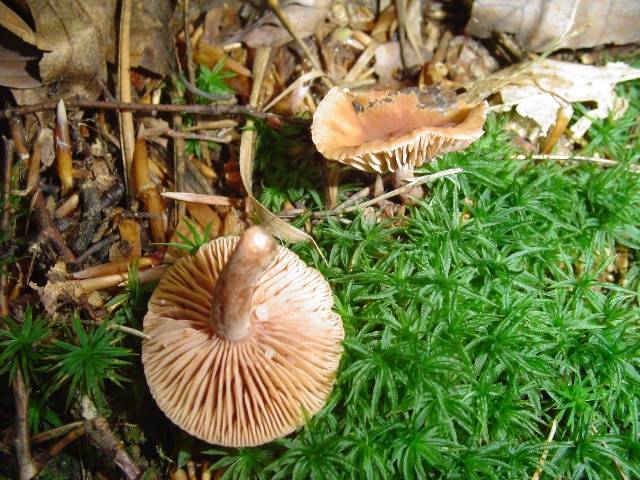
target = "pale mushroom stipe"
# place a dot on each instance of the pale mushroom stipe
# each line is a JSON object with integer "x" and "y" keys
{"x": 243, "y": 341}
{"x": 394, "y": 131}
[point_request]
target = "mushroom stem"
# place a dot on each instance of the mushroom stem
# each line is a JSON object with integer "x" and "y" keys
{"x": 233, "y": 291}
{"x": 401, "y": 177}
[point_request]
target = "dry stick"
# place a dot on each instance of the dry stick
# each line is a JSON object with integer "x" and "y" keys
{"x": 191, "y": 69}
{"x": 274, "y": 5}
{"x": 578, "y": 158}
{"x": 70, "y": 437}
{"x": 212, "y": 110}
{"x": 96, "y": 247}
{"x": 398, "y": 191}
{"x": 179, "y": 166}
{"x": 113, "y": 267}
{"x": 545, "y": 452}
{"x": 55, "y": 432}
{"x": 100, "y": 433}
{"x": 124, "y": 91}
{"x": 26, "y": 466}
{"x": 129, "y": 330}
{"x": 48, "y": 230}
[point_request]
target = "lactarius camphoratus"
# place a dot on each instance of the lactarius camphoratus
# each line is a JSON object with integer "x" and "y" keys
{"x": 393, "y": 131}
{"x": 243, "y": 341}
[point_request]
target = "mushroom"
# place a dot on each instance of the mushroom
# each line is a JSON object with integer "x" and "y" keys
{"x": 394, "y": 131}
{"x": 243, "y": 341}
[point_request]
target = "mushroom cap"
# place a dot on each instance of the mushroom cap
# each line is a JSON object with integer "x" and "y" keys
{"x": 382, "y": 132}
{"x": 248, "y": 392}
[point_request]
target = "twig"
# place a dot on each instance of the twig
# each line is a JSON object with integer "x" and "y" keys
{"x": 179, "y": 165}
{"x": 48, "y": 229}
{"x": 216, "y": 200}
{"x": 100, "y": 433}
{"x": 191, "y": 69}
{"x": 347, "y": 207}
{"x": 56, "y": 448}
{"x": 129, "y": 330}
{"x": 26, "y": 467}
{"x": 127, "y": 133}
{"x": 398, "y": 191}
{"x": 578, "y": 158}
{"x": 96, "y": 247}
{"x": 545, "y": 452}
{"x": 212, "y": 110}
{"x": 55, "y": 432}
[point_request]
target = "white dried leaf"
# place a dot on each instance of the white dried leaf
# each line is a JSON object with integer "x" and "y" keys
{"x": 549, "y": 85}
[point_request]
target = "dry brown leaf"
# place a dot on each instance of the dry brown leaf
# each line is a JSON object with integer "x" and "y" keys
{"x": 15, "y": 69}
{"x": 78, "y": 37}
{"x": 537, "y": 23}
{"x": 16, "y": 25}
{"x": 74, "y": 36}
{"x": 151, "y": 36}
{"x": 304, "y": 15}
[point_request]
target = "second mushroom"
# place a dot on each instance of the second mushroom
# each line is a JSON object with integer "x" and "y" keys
{"x": 394, "y": 131}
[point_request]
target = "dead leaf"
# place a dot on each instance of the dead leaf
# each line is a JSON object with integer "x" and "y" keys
{"x": 16, "y": 69}
{"x": 151, "y": 36}
{"x": 536, "y": 24}
{"x": 304, "y": 15}
{"x": 75, "y": 36}
{"x": 16, "y": 25}
{"x": 549, "y": 85}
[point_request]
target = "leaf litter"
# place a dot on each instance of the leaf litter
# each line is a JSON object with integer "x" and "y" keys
{"x": 463, "y": 286}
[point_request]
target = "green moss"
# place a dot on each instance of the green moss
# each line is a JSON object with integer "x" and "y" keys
{"x": 478, "y": 321}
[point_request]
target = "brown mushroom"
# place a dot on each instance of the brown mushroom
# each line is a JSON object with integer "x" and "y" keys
{"x": 395, "y": 131}
{"x": 243, "y": 341}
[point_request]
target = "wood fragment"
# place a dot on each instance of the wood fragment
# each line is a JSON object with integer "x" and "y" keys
{"x": 47, "y": 228}
{"x": 54, "y": 433}
{"x": 148, "y": 192}
{"x": 127, "y": 135}
{"x": 96, "y": 247}
{"x": 112, "y": 268}
{"x": 63, "y": 149}
{"x": 130, "y": 232}
{"x": 101, "y": 435}
{"x": 605, "y": 162}
{"x": 67, "y": 207}
{"x": 215, "y": 200}
{"x": 56, "y": 448}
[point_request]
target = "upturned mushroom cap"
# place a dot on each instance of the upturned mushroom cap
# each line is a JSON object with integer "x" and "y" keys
{"x": 384, "y": 132}
{"x": 237, "y": 381}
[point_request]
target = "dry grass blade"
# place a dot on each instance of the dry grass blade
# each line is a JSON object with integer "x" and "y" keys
{"x": 127, "y": 133}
